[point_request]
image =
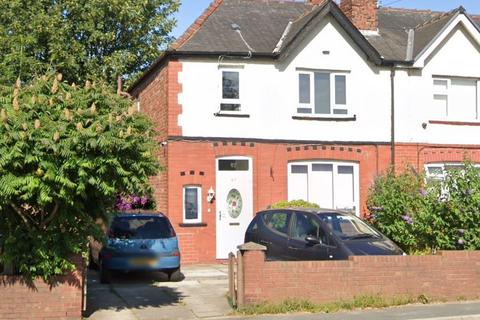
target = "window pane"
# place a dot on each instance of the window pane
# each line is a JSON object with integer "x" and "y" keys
{"x": 305, "y": 226}
{"x": 340, "y": 89}
{"x": 440, "y": 85}
{"x": 231, "y": 85}
{"x": 191, "y": 203}
{"x": 277, "y": 221}
{"x": 141, "y": 228}
{"x": 304, "y": 87}
{"x": 304, "y": 110}
{"x": 440, "y": 105}
{"x": 322, "y": 93}
{"x": 340, "y": 111}
{"x": 233, "y": 165}
{"x": 299, "y": 169}
{"x": 462, "y": 99}
{"x": 229, "y": 107}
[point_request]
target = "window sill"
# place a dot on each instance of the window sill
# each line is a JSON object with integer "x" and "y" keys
{"x": 326, "y": 118}
{"x": 192, "y": 225}
{"x": 231, "y": 115}
{"x": 455, "y": 123}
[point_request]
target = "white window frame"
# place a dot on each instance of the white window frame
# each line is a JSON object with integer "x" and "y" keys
{"x": 333, "y": 105}
{"x": 335, "y": 165}
{"x": 231, "y": 68}
{"x": 442, "y": 166}
{"x": 447, "y": 92}
{"x": 199, "y": 204}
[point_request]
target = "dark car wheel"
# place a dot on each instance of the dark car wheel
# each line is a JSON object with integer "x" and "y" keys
{"x": 105, "y": 274}
{"x": 174, "y": 275}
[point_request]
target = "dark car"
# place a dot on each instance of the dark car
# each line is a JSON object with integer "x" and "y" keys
{"x": 316, "y": 234}
{"x": 138, "y": 242}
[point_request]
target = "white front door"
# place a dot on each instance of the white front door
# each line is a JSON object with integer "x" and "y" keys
{"x": 234, "y": 198}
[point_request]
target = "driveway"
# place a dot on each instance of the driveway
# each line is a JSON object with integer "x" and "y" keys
{"x": 200, "y": 295}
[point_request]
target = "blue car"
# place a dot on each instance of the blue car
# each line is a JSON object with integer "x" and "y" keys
{"x": 138, "y": 242}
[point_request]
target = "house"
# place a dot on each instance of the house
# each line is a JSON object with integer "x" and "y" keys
{"x": 263, "y": 100}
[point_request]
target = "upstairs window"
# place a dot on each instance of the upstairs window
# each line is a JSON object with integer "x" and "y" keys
{"x": 456, "y": 99}
{"x": 322, "y": 93}
{"x": 230, "y": 91}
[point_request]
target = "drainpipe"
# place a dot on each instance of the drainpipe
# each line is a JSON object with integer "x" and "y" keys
{"x": 392, "y": 117}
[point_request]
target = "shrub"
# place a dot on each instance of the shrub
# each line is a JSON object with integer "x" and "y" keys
{"x": 423, "y": 216}
{"x": 66, "y": 152}
{"x": 294, "y": 204}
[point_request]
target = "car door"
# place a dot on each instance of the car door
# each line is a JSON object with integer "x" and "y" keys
{"x": 274, "y": 233}
{"x": 305, "y": 225}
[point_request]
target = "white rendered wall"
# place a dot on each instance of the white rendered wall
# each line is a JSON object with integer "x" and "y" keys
{"x": 269, "y": 94}
{"x": 458, "y": 56}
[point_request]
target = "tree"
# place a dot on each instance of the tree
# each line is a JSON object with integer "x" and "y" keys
{"x": 83, "y": 39}
{"x": 66, "y": 152}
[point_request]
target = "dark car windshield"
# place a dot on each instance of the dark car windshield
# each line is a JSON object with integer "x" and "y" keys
{"x": 348, "y": 226}
{"x": 141, "y": 228}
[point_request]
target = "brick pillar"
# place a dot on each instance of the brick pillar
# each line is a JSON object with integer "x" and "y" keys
{"x": 251, "y": 267}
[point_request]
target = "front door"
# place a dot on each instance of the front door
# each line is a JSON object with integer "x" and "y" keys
{"x": 234, "y": 197}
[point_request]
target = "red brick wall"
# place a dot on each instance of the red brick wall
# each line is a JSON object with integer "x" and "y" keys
{"x": 449, "y": 275}
{"x": 193, "y": 163}
{"x": 158, "y": 96}
{"x": 417, "y": 155}
{"x": 38, "y": 300}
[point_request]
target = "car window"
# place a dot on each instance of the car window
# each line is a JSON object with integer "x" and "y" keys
{"x": 277, "y": 221}
{"x": 141, "y": 228}
{"x": 252, "y": 228}
{"x": 347, "y": 226}
{"x": 305, "y": 225}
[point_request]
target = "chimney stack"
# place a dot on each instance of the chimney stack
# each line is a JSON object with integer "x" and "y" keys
{"x": 362, "y": 13}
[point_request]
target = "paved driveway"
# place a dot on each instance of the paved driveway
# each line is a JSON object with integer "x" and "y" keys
{"x": 200, "y": 295}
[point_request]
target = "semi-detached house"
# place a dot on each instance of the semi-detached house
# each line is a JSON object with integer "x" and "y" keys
{"x": 262, "y": 101}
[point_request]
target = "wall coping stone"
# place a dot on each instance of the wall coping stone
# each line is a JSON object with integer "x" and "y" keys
{"x": 251, "y": 246}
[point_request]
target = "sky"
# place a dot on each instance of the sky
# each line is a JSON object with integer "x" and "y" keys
{"x": 191, "y": 9}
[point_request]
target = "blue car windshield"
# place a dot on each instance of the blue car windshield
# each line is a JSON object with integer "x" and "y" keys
{"x": 348, "y": 227}
{"x": 141, "y": 228}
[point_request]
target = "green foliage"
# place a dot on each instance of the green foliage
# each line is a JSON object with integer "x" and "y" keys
{"x": 87, "y": 39}
{"x": 424, "y": 216}
{"x": 66, "y": 152}
{"x": 294, "y": 204}
{"x": 299, "y": 305}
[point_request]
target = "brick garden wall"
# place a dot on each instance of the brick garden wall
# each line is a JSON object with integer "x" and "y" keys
{"x": 450, "y": 275}
{"x": 39, "y": 300}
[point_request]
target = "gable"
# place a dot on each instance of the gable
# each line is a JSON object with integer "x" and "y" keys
{"x": 457, "y": 55}
{"x": 449, "y": 32}
{"x": 326, "y": 47}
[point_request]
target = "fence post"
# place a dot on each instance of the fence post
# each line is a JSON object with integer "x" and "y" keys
{"x": 231, "y": 278}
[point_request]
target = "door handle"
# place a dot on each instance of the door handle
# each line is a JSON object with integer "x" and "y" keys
{"x": 219, "y": 215}
{"x": 265, "y": 242}
{"x": 292, "y": 248}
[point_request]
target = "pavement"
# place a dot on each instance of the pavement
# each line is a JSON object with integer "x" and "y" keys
{"x": 202, "y": 295}
{"x": 444, "y": 311}
{"x": 147, "y": 296}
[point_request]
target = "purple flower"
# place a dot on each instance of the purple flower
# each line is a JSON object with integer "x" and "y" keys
{"x": 461, "y": 242}
{"x": 407, "y": 219}
{"x": 423, "y": 192}
{"x": 136, "y": 200}
{"x": 461, "y": 231}
{"x": 143, "y": 201}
